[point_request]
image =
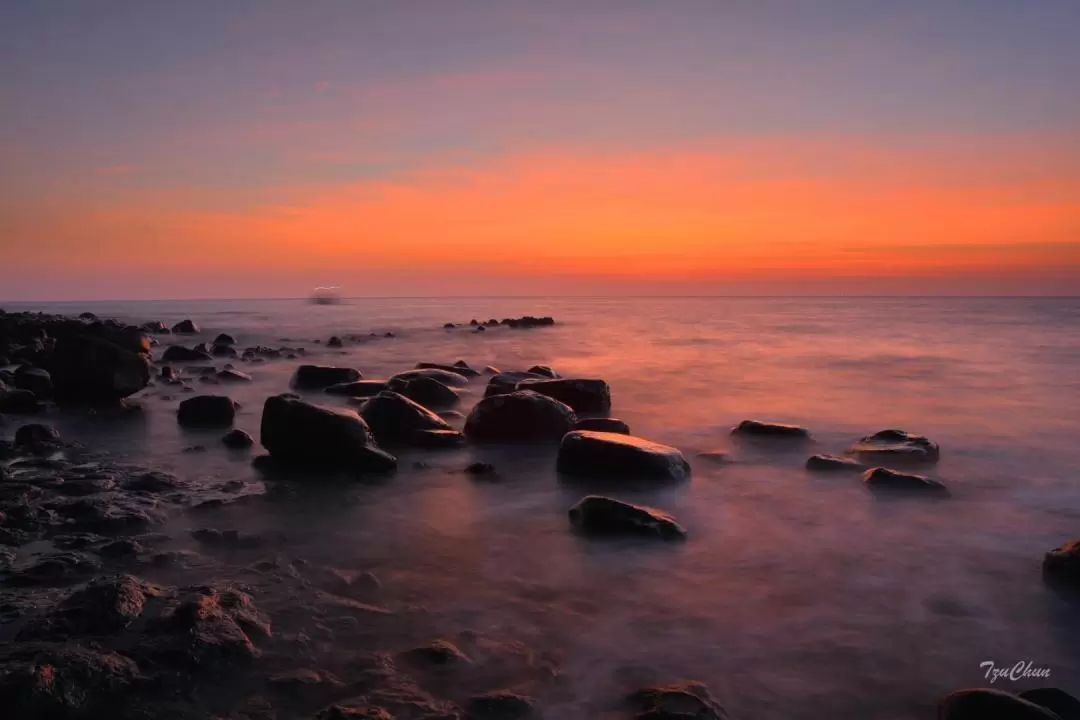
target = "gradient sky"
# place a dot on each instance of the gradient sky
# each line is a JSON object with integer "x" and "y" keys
{"x": 258, "y": 148}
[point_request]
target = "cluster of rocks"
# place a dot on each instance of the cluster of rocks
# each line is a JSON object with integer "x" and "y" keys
{"x": 527, "y": 321}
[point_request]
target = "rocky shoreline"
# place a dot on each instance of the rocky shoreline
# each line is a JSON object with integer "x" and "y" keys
{"x": 107, "y": 610}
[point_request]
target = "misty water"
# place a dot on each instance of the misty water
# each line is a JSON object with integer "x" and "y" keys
{"x": 795, "y": 596}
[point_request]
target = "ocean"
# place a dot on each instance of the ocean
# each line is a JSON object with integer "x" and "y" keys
{"x": 795, "y": 596}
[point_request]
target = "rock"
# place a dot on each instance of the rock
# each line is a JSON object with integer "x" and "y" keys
{"x": 55, "y": 568}
{"x": 185, "y": 327}
{"x": 491, "y": 370}
{"x": 153, "y": 482}
{"x": 224, "y": 339}
{"x": 19, "y": 402}
{"x": 223, "y": 351}
{"x": 237, "y": 439}
{"x": 480, "y": 329}
{"x": 832, "y": 463}
{"x": 885, "y": 479}
{"x": 605, "y": 424}
{"x": 36, "y": 380}
{"x": 318, "y": 377}
{"x": 896, "y": 446}
{"x": 599, "y": 515}
{"x": 230, "y": 375}
{"x": 521, "y": 416}
{"x": 155, "y": 326}
{"x": 449, "y": 325}
{"x": 122, "y": 548}
{"x": 481, "y": 468}
{"x": 360, "y": 388}
{"x": 99, "y": 370}
{"x": 105, "y": 606}
{"x": 437, "y": 439}
{"x": 450, "y": 415}
{"x": 585, "y": 453}
{"x": 438, "y": 652}
{"x": 209, "y": 625}
{"x": 756, "y": 428}
{"x": 297, "y": 431}
{"x": 450, "y": 378}
{"x": 334, "y": 342}
{"x": 36, "y": 434}
{"x": 394, "y": 417}
{"x": 179, "y": 353}
{"x": 1063, "y": 563}
{"x": 168, "y": 374}
{"x": 988, "y": 704}
{"x": 206, "y": 411}
{"x": 499, "y": 705}
{"x": 87, "y": 316}
{"x": 544, "y": 370}
{"x": 506, "y": 382}
{"x": 678, "y": 701}
{"x": 528, "y": 321}
{"x": 426, "y": 391}
{"x": 582, "y": 395}
{"x": 460, "y": 368}
{"x": 1056, "y": 701}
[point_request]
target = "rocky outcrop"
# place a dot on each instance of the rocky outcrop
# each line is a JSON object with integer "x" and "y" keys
{"x": 757, "y": 428}
{"x": 319, "y": 377}
{"x": 600, "y": 515}
{"x": 204, "y": 411}
{"x": 583, "y": 395}
{"x": 36, "y": 435}
{"x": 393, "y": 417}
{"x": 519, "y": 417}
{"x": 450, "y": 378}
{"x": 528, "y": 321}
{"x": 360, "y": 388}
{"x": 885, "y": 479}
{"x": 895, "y": 446}
{"x": 179, "y": 353}
{"x": 97, "y": 364}
{"x": 603, "y": 424}
{"x": 832, "y": 463}
{"x": 156, "y": 327}
{"x": 584, "y": 453}
{"x": 295, "y": 431}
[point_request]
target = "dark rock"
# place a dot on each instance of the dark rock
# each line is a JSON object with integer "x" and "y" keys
{"x": 122, "y": 548}
{"x": 480, "y": 468}
{"x": 885, "y": 479}
{"x": 480, "y": 329}
{"x": 154, "y": 481}
{"x": 521, "y": 416}
{"x": 334, "y": 342}
{"x": 492, "y": 322}
{"x": 528, "y": 321}
{"x": 1056, "y": 701}
{"x": 506, "y": 382}
{"x": 296, "y": 431}
{"x": 209, "y": 626}
{"x": 19, "y": 402}
{"x": 491, "y": 370}
{"x": 427, "y": 391}
{"x": 230, "y": 375}
{"x": 450, "y": 378}
{"x": 896, "y": 446}
{"x": 223, "y": 351}
{"x": 499, "y": 705}
{"x": 460, "y": 368}
{"x": 55, "y": 568}
{"x": 360, "y": 388}
{"x": 1063, "y": 563}
{"x": 224, "y": 339}
{"x": 438, "y": 652}
{"x": 599, "y": 515}
{"x": 437, "y": 439}
{"x": 168, "y": 374}
{"x": 106, "y": 514}
{"x": 99, "y": 370}
{"x": 756, "y": 428}
{"x": 832, "y": 463}
{"x": 606, "y": 424}
{"x": 582, "y": 395}
{"x": 450, "y": 415}
{"x": 449, "y": 326}
{"x": 318, "y": 377}
{"x": 237, "y": 439}
{"x": 155, "y": 326}
{"x": 36, "y": 380}
{"x": 206, "y": 411}
{"x": 185, "y": 327}
{"x": 544, "y": 370}
{"x": 586, "y": 453}
{"x": 678, "y": 701}
{"x": 103, "y": 607}
{"x": 87, "y": 316}
{"x": 988, "y": 704}
{"x": 36, "y": 435}
{"x": 179, "y": 353}
{"x": 394, "y": 417}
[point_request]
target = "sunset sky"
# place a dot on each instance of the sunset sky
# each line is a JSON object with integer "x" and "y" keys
{"x": 258, "y": 148}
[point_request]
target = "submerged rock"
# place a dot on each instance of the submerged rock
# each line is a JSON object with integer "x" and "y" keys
{"x": 360, "y": 388}
{"x": 544, "y": 370}
{"x": 600, "y": 515}
{"x": 480, "y": 468}
{"x": 520, "y": 416}
{"x": 426, "y": 391}
{"x": 224, "y": 339}
{"x": 237, "y": 439}
{"x": 318, "y": 377}
{"x": 1063, "y": 563}
{"x": 155, "y": 326}
{"x": 36, "y": 435}
{"x": 438, "y": 652}
{"x": 334, "y": 342}
{"x": 185, "y": 327}
{"x": 604, "y": 424}
{"x": 209, "y": 625}
{"x": 450, "y": 378}
{"x": 394, "y": 417}
{"x": 296, "y": 431}
{"x": 232, "y": 375}
{"x": 896, "y": 446}
{"x": 206, "y": 411}
{"x": 179, "y": 353}
{"x": 885, "y": 479}
{"x": 582, "y": 395}
{"x": 832, "y": 463}
{"x": 757, "y": 428}
{"x": 989, "y": 704}
{"x": 19, "y": 402}
{"x": 585, "y": 453}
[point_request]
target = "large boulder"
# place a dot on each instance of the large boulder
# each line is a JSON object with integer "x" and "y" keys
{"x": 300, "y": 432}
{"x": 99, "y": 369}
{"x": 179, "y": 353}
{"x": 318, "y": 377}
{"x": 451, "y": 378}
{"x": 990, "y": 704}
{"x": 185, "y": 327}
{"x": 504, "y": 383}
{"x": 520, "y": 416}
{"x": 599, "y": 515}
{"x": 583, "y": 395}
{"x": 36, "y": 380}
{"x": 885, "y": 479}
{"x": 360, "y": 388}
{"x": 395, "y": 418}
{"x": 896, "y": 446}
{"x": 206, "y": 411}
{"x": 429, "y": 392}
{"x": 611, "y": 455}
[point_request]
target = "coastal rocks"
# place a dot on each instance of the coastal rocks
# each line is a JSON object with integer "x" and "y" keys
{"x": 53, "y": 569}
{"x": 220, "y": 351}
{"x": 757, "y": 428}
{"x": 318, "y": 377}
{"x": 600, "y": 515}
{"x": 678, "y": 701}
{"x": 36, "y": 380}
{"x": 460, "y": 367}
{"x": 224, "y": 339}
{"x": 206, "y": 411}
{"x": 427, "y": 391}
{"x": 156, "y": 327}
{"x": 208, "y": 625}
{"x": 99, "y": 370}
{"x": 237, "y": 439}
{"x": 885, "y": 479}
{"x": 360, "y": 388}
{"x": 296, "y": 431}
{"x": 585, "y": 453}
{"x": 582, "y": 395}
{"x": 481, "y": 469}
{"x": 520, "y": 416}
{"x": 1063, "y": 564}
{"x": 105, "y": 606}
{"x": 36, "y": 435}
{"x": 437, "y": 652}
{"x": 896, "y": 446}
{"x": 503, "y": 383}
{"x": 603, "y": 424}
{"x": 185, "y": 327}
{"x": 232, "y": 375}
{"x": 1055, "y": 700}
{"x": 395, "y": 418}
{"x": 450, "y": 378}
{"x": 334, "y": 342}
{"x": 986, "y": 704}
{"x": 179, "y": 353}
{"x": 528, "y": 321}
{"x": 832, "y": 463}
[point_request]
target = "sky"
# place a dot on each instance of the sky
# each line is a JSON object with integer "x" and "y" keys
{"x": 260, "y": 148}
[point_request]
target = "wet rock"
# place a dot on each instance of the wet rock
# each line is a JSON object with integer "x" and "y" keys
{"x": 156, "y": 327}
{"x": 1055, "y": 700}
{"x": 99, "y": 369}
{"x": 36, "y": 380}
{"x": 122, "y": 548}
{"x": 989, "y": 704}
{"x": 179, "y": 353}
{"x": 582, "y": 395}
{"x": 885, "y": 479}
{"x": 185, "y": 327}
{"x": 757, "y": 428}
{"x": 832, "y": 463}
{"x": 481, "y": 469}
{"x": 334, "y": 342}
{"x": 209, "y": 625}
{"x": 394, "y": 417}
{"x": 505, "y": 383}
{"x": 318, "y": 377}
{"x": 499, "y": 705}
{"x": 438, "y": 652}
{"x": 437, "y": 439}
{"x": 237, "y": 439}
{"x": 1062, "y": 564}
{"x": 53, "y": 569}
{"x": 544, "y": 370}
{"x": 599, "y": 515}
{"x": 585, "y": 453}
{"x": 360, "y": 388}
{"x": 716, "y": 457}
{"x": 111, "y": 513}
{"x": 153, "y": 481}
{"x": 36, "y": 435}
{"x": 679, "y": 701}
{"x": 449, "y": 325}
{"x": 231, "y": 375}
{"x": 896, "y": 446}
{"x": 222, "y": 351}
{"x": 103, "y": 607}
{"x": 460, "y": 368}
{"x": 19, "y": 402}
{"x": 450, "y": 415}
{"x": 450, "y": 378}
{"x": 528, "y": 321}
{"x": 605, "y": 424}
{"x": 426, "y": 391}
{"x": 297, "y": 431}
{"x": 520, "y": 416}
{"x": 491, "y": 370}
{"x": 224, "y": 339}
{"x": 206, "y": 411}
{"x": 167, "y": 374}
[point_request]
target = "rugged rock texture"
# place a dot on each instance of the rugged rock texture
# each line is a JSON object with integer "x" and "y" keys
{"x": 585, "y": 453}
{"x": 521, "y": 416}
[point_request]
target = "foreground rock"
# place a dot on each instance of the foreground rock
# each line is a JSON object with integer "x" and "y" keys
{"x": 599, "y": 515}
{"x": 885, "y": 479}
{"x": 757, "y": 428}
{"x": 206, "y": 411}
{"x": 582, "y": 395}
{"x": 520, "y": 416}
{"x": 896, "y": 446}
{"x": 393, "y": 417}
{"x": 360, "y": 388}
{"x": 295, "y": 431}
{"x": 585, "y": 453}
{"x": 318, "y": 377}
{"x": 989, "y": 704}
{"x": 678, "y": 701}
{"x": 832, "y": 463}
{"x": 36, "y": 435}
{"x": 1063, "y": 564}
